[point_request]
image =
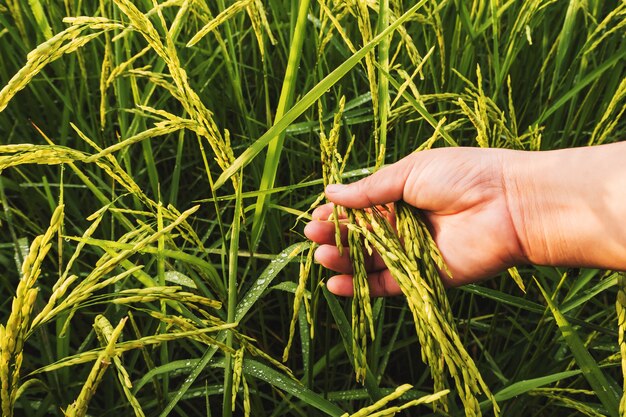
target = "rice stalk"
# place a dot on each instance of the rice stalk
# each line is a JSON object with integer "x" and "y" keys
{"x": 15, "y": 10}
{"x": 64, "y": 42}
{"x": 428, "y": 143}
{"x": 105, "y": 332}
{"x": 260, "y": 25}
{"x": 237, "y": 375}
{"x": 374, "y": 410}
{"x": 620, "y": 307}
{"x": 408, "y": 79}
{"x": 247, "y": 409}
{"x": 106, "y": 161}
{"x": 611, "y": 116}
{"x": 362, "y": 318}
{"x": 487, "y": 118}
{"x": 613, "y": 22}
{"x": 299, "y": 298}
{"x": 331, "y": 160}
{"x": 256, "y": 351}
{"x": 26, "y": 153}
{"x": 79, "y": 407}
{"x": 96, "y": 280}
{"x": 511, "y": 107}
{"x": 435, "y": 21}
{"x": 415, "y": 265}
{"x": 581, "y": 408}
{"x": 13, "y": 334}
{"x": 226, "y": 14}
{"x": 196, "y": 333}
{"x": 141, "y": 343}
{"x": 188, "y": 98}
{"x": 65, "y": 280}
{"x": 170, "y": 124}
{"x": 326, "y": 32}
{"x": 361, "y": 11}
{"x": 161, "y": 293}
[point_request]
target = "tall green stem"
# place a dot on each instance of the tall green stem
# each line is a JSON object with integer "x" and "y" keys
{"x": 232, "y": 299}
{"x": 383, "y": 81}
{"x": 285, "y": 101}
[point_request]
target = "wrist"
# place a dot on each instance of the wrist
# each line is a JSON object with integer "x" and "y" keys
{"x": 567, "y": 206}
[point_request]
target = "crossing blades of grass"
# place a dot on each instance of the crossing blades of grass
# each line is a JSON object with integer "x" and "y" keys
{"x": 275, "y": 146}
{"x": 309, "y": 98}
{"x": 263, "y": 372}
{"x": 343, "y": 325}
{"x": 606, "y": 389}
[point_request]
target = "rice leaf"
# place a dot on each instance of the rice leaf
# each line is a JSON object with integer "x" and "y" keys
{"x": 308, "y": 99}
{"x": 605, "y": 389}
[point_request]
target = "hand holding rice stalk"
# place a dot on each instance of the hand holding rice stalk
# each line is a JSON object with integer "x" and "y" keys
{"x": 362, "y": 319}
{"x": 409, "y": 262}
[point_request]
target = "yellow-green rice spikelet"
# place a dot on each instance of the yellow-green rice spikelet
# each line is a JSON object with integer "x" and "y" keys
{"x": 620, "y": 307}
{"x": 62, "y": 43}
{"x": 15, "y": 331}
{"x": 299, "y": 298}
{"x": 375, "y": 409}
{"x": 79, "y": 407}
{"x": 415, "y": 268}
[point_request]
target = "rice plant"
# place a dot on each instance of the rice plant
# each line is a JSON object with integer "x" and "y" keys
{"x": 159, "y": 160}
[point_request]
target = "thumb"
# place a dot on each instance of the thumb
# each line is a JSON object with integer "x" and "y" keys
{"x": 384, "y": 186}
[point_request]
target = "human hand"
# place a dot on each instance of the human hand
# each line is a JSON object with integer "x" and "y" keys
{"x": 463, "y": 195}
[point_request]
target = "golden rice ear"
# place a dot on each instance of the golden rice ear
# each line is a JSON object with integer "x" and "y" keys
{"x": 373, "y": 410}
{"x": 333, "y": 164}
{"x": 62, "y": 43}
{"x": 300, "y": 297}
{"x": 110, "y": 335}
{"x": 620, "y": 307}
{"x": 413, "y": 262}
{"x": 18, "y": 324}
{"x": 362, "y": 317}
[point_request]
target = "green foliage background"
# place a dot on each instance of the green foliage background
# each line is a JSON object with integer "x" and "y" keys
{"x": 533, "y": 75}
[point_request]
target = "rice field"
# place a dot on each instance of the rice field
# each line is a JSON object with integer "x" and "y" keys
{"x": 160, "y": 159}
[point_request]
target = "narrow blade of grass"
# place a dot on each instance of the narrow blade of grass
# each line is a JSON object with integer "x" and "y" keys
{"x": 267, "y": 276}
{"x": 343, "y": 325}
{"x": 522, "y": 387}
{"x": 585, "y": 81}
{"x": 265, "y": 373}
{"x": 233, "y": 291}
{"x": 606, "y": 390}
{"x": 285, "y": 101}
{"x": 307, "y": 101}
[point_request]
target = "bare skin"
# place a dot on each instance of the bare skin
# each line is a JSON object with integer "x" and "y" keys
{"x": 489, "y": 209}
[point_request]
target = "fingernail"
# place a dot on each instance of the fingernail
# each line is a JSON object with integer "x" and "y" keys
{"x": 335, "y": 188}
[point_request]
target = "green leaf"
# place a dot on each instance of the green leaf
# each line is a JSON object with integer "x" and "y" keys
{"x": 522, "y": 387}
{"x": 285, "y": 101}
{"x": 606, "y": 390}
{"x": 309, "y": 98}
{"x": 261, "y": 371}
{"x": 267, "y": 276}
{"x": 343, "y": 325}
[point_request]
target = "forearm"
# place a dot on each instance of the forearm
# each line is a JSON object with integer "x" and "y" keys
{"x": 569, "y": 206}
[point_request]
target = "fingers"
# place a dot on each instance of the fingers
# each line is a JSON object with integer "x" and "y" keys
{"x": 323, "y": 232}
{"x": 324, "y": 212}
{"x": 381, "y": 284}
{"x": 329, "y": 257}
{"x": 382, "y": 187}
